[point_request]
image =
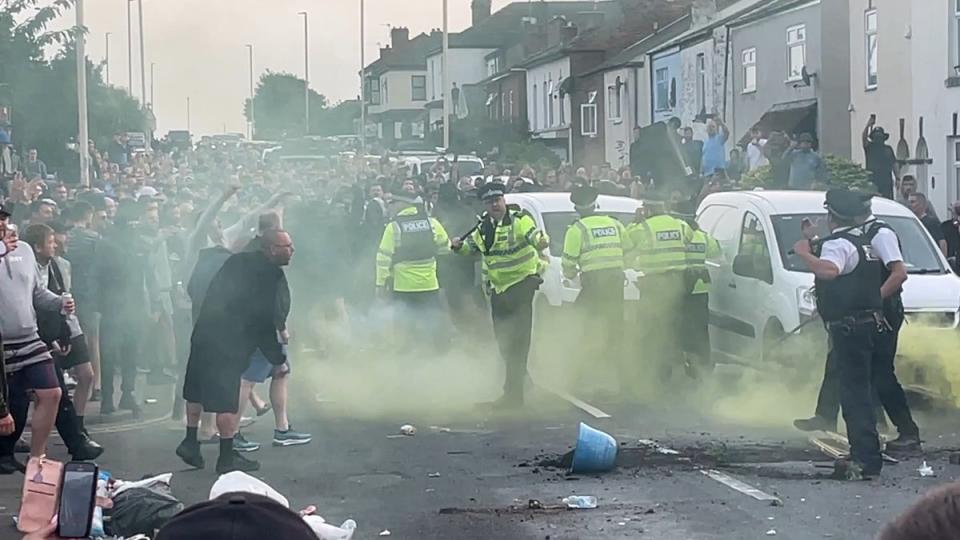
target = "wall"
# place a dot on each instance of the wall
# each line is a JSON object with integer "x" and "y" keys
{"x": 467, "y": 66}
{"x": 892, "y": 99}
{"x": 671, "y": 61}
{"x": 769, "y": 37}
{"x": 554, "y": 71}
{"x": 934, "y": 98}
{"x": 687, "y": 85}
{"x": 399, "y": 93}
{"x": 619, "y": 135}
{"x": 834, "y": 82}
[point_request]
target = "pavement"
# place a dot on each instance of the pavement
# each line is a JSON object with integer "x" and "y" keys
{"x": 469, "y": 473}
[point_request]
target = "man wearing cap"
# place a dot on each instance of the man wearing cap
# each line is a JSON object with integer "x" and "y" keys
{"x": 407, "y": 267}
{"x": 881, "y": 161}
{"x": 885, "y": 244}
{"x": 806, "y": 166}
{"x": 848, "y": 279}
{"x": 660, "y": 253}
{"x": 510, "y": 244}
{"x": 593, "y": 247}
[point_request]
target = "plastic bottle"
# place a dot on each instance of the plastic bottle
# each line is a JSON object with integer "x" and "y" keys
{"x": 581, "y": 502}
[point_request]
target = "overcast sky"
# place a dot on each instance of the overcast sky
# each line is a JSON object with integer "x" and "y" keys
{"x": 199, "y": 48}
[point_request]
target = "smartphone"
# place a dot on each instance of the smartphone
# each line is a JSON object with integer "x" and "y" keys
{"x": 77, "y": 499}
{"x": 873, "y": 117}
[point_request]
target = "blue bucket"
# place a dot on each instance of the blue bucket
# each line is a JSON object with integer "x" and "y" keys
{"x": 596, "y": 451}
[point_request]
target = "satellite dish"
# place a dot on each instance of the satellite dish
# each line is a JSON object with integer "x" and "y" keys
{"x": 806, "y": 76}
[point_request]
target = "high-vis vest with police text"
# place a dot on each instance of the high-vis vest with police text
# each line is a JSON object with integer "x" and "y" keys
{"x": 514, "y": 252}
{"x": 408, "y": 252}
{"x": 660, "y": 244}
{"x": 594, "y": 243}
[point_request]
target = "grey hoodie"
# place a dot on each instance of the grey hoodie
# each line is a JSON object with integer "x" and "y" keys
{"x": 20, "y": 288}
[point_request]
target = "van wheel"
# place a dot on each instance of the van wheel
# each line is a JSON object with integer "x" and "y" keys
{"x": 771, "y": 344}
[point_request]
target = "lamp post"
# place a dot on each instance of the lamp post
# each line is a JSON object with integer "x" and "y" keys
{"x": 306, "y": 74}
{"x": 84, "y": 134}
{"x": 153, "y": 104}
{"x": 143, "y": 67}
{"x": 188, "y": 114}
{"x": 250, "y": 124}
{"x": 130, "y": 47}
{"x": 363, "y": 84}
{"x": 106, "y": 60}
{"x": 446, "y": 80}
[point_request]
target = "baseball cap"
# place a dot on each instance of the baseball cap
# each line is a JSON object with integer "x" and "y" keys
{"x": 237, "y": 516}
{"x": 4, "y": 211}
{"x": 847, "y": 204}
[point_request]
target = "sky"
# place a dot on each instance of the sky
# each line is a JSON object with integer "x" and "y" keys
{"x": 199, "y": 48}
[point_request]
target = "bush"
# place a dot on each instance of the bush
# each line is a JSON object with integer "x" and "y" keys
{"x": 843, "y": 174}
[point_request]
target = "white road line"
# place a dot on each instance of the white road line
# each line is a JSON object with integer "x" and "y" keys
{"x": 580, "y": 404}
{"x": 742, "y": 487}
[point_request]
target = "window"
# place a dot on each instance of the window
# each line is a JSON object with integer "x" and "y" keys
{"x": 796, "y": 51}
{"x": 493, "y": 66}
{"x": 753, "y": 252}
{"x": 870, "y": 29}
{"x": 701, "y": 82}
{"x": 374, "y": 91}
{"x": 536, "y": 104}
{"x": 510, "y": 106}
{"x": 418, "y": 87}
{"x": 563, "y": 111}
{"x": 615, "y": 100}
{"x": 956, "y": 40}
{"x": 493, "y": 105}
{"x": 416, "y": 129}
{"x": 588, "y": 119}
{"x": 663, "y": 90}
{"x": 547, "y": 105}
{"x": 749, "y": 59}
{"x": 398, "y": 130}
{"x": 386, "y": 92}
{"x": 433, "y": 79}
{"x": 955, "y": 145}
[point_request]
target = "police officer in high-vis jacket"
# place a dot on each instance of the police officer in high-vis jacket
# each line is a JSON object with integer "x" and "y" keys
{"x": 510, "y": 244}
{"x": 407, "y": 265}
{"x": 696, "y": 304}
{"x": 848, "y": 276}
{"x": 593, "y": 248}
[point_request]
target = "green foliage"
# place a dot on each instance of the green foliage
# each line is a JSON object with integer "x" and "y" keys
{"x": 42, "y": 92}
{"x": 843, "y": 173}
{"x": 279, "y": 110}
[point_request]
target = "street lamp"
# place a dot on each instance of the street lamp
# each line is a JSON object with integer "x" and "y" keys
{"x": 106, "y": 60}
{"x": 363, "y": 85}
{"x": 130, "y": 47}
{"x": 306, "y": 73}
{"x": 446, "y": 80}
{"x": 252, "y": 114}
{"x": 84, "y": 133}
{"x": 152, "y": 102}
{"x": 188, "y": 114}
{"x": 143, "y": 67}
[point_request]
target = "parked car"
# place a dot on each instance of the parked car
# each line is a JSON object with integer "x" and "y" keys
{"x": 553, "y": 213}
{"x": 759, "y": 294}
{"x": 466, "y": 165}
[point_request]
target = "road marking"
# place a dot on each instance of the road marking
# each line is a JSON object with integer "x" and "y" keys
{"x": 578, "y": 403}
{"x": 742, "y": 487}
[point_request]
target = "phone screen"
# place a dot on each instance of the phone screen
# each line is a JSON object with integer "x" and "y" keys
{"x": 77, "y": 499}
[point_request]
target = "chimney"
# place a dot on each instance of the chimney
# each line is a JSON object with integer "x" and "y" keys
{"x": 555, "y": 31}
{"x": 702, "y": 12}
{"x": 384, "y": 51}
{"x": 399, "y": 36}
{"x": 481, "y": 10}
{"x": 588, "y": 20}
{"x": 568, "y": 33}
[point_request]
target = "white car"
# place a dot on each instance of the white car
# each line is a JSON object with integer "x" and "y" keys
{"x": 752, "y": 305}
{"x": 553, "y": 213}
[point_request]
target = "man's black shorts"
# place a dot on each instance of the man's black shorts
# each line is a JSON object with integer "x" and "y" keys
{"x": 218, "y": 391}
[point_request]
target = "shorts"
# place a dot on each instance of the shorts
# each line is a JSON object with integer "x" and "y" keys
{"x": 260, "y": 368}
{"x": 39, "y": 376}
{"x": 78, "y": 354}
{"x": 216, "y": 391}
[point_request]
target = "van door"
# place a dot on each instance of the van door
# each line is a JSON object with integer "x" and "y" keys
{"x": 752, "y": 281}
{"x": 722, "y": 222}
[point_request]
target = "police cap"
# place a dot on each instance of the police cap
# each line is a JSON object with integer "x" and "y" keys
{"x": 583, "y": 195}
{"x": 846, "y": 204}
{"x": 491, "y": 190}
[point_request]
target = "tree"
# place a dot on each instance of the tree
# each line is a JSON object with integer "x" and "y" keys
{"x": 279, "y": 108}
{"x": 843, "y": 174}
{"x": 42, "y": 92}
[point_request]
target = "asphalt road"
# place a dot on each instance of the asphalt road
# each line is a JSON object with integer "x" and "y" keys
{"x": 357, "y": 467}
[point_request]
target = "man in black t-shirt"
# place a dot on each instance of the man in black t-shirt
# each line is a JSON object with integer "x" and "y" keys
{"x": 881, "y": 161}
{"x": 918, "y": 204}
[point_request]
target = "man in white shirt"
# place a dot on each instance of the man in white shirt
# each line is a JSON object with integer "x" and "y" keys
{"x": 755, "y": 156}
{"x": 848, "y": 281}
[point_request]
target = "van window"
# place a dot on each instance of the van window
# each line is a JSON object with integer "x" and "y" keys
{"x": 726, "y": 231}
{"x": 710, "y": 216}
{"x": 753, "y": 251}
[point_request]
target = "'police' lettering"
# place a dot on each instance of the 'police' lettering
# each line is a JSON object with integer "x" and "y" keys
{"x": 868, "y": 251}
{"x": 420, "y": 225}
{"x": 668, "y": 236}
{"x": 605, "y": 232}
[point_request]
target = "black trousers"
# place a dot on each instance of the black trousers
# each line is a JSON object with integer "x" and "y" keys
{"x": 68, "y": 426}
{"x": 512, "y": 312}
{"x": 886, "y": 387}
{"x": 600, "y": 304}
{"x": 119, "y": 350}
{"x": 853, "y": 353}
{"x": 696, "y": 321}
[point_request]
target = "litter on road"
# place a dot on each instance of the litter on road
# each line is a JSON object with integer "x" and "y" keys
{"x": 408, "y": 430}
{"x": 580, "y": 502}
{"x": 926, "y": 471}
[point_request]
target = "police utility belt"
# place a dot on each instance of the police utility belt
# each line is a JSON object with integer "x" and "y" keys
{"x": 848, "y": 323}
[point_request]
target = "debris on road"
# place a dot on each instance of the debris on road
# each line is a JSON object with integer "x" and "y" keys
{"x": 658, "y": 448}
{"x": 772, "y": 532}
{"x": 408, "y": 430}
{"x": 926, "y": 471}
{"x": 534, "y": 504}
{"x": 433, "y": 475}
{"x": 385, "y": 532}
{"x": 326, "y": 531}
{"x": 580, "y": 502}
{"x": 596, "y": 451}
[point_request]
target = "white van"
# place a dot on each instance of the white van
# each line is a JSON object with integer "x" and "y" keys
{"x": 753, "y": 304}
{"x": 553, "y": 213}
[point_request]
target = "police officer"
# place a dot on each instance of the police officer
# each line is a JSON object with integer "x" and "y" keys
{"x": 848, "y": 276}
{"x": 660, "y": 252}
{"x": 408, "y": 258}
{"x": 885, "y": 244}
{"x": 510, "y": 244}
{"x": 593, "y": 247}
{"x": 696, "y": 304}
